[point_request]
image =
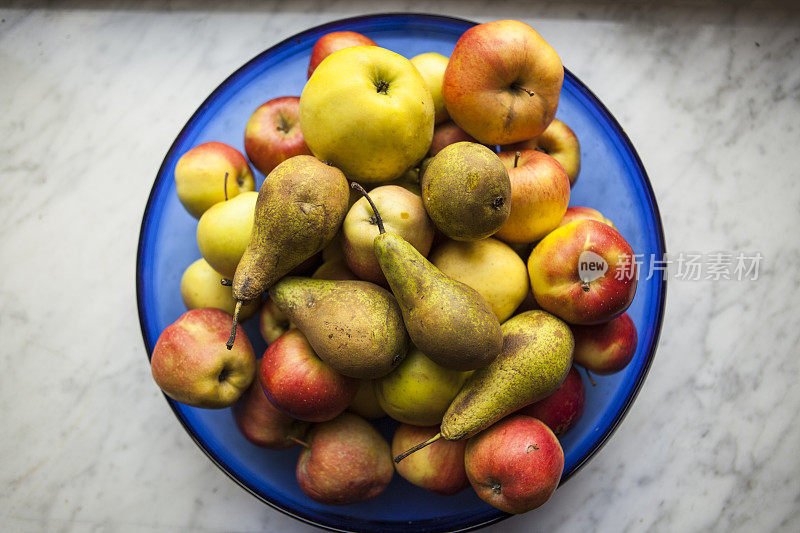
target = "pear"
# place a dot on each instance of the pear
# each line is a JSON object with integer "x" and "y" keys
{"x": 300, "y": 207}
{"x": 418, "y": 392}
{"x": 449, "y": 321}
{"x": 536, "y": 357}
{"x": 354, "y": 326}
{"x": 466, "y": 191}
{"x": 224, "y": 230}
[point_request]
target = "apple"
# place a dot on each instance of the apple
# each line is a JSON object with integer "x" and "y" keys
{"x": 564, "y": 407}
{"x": 402, "y": 213}
{"x": 223, "y": 232}
{"x": 366, "y": 403}
{"x": 192, "y": 365}
{"x": 335, "y": 269}
{"x": 515, "y": 465}
{"x": 432, "y": 66}
{"x": 446, "y": 134}
{"x": 302, "y": 385}
{"x": 346, "y": 461}
{"x": 273, "y": 135}
{"x": 201, "y": 286}
{"x": 438, "y": 467}
{"x": 539, "y": 196}
{"x": 272, "y": 322}
{"x": 584, "y": 272}
{"x": 558, "y": 141}
{"x": 367, "y": 111}
{"x": 606, "y": 348}
{"x": 200, "y": 176}
{"x": 502, "y": 82}
{"x": 490, "y": 267}
{"x": 580, "y": 212}
{"x": 263, "y": 424}
{"x": 333, "y": 42}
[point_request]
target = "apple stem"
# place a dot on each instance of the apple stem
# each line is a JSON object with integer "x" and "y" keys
{"x": 417, "y": 447}
{"x": 521, "y": 88}
{"x": 378, "y": 218}
{"x": 591, "y": 379}
{"x": 226, "y": 282}
{"x": 585, "y": 286}
{"x": 516, "y": 159}
{"x": 225, "y": 186}
{"x": 300, "y": 442}
{"x": 232, "y": 338}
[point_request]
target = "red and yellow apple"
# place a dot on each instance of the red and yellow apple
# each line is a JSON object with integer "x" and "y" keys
{"x": 301, "y": 384}
{"x": 539, "y": 196}
{"x": 584, "y": 272}
{"x": 263, "y": 424}
{"x": 333, "y": 42}
{"x": 580, "y": 213}
{"x": 515, "y": 465}
{"x": 192, "y": 365}
{"x": 366, "y": 403}
{"x": 446, "y": 134}
{"x": 558, "y": 141}
{"x": 273, "y": 135}
{"x": 272, "y": 322}
{"x": 402, "y": 213}
{"x": 346, "y": 461}
{"x": 606, "y": 348}
{"x": 502, "y": 82}
{"x": 564, "y": 407}
{"x": 438, "y": 467}
{"x": 200, "y": 176}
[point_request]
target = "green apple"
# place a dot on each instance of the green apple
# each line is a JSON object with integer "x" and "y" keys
{"x": 432, "y": 66}
{"x": 201, "y": 286}
{"x": 367, "y": 111}
{"x": 224, "y": 231}
{"x": 419, "y": 391}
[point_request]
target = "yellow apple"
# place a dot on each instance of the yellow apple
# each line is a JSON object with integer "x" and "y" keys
{"x": 490, "y": 267}
{"x": 201, "y": 287}
{"x": 224, "y": 231}
{"x": 432, "y": 67}
{"x": 367, "y": 111}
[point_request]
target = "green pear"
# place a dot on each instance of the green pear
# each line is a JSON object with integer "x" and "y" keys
{"x": 224, "y": 231}
{"x": 536, "y": 357}
{"x": 419, "y": 391}
{"x": 300, "y": 206}
{"x": 356, "y": 327}
{"x": 466, "y": 191}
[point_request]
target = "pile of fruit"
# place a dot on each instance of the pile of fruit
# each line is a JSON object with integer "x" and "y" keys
{"x": 413, "y": 192}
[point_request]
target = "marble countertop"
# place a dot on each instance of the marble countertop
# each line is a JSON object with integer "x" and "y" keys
{"x": 93, "y": 94}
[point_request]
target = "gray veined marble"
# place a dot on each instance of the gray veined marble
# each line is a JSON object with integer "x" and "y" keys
{"x": 708, "y": 92}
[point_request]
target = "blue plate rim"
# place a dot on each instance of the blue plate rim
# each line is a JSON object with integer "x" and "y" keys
{"x": 650, "y": 194}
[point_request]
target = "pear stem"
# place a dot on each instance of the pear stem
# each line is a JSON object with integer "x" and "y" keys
{"x": 417, "y": 447}
{"x": 591, "y": 379}
{"x": 225, "y": 186}
{"x": 521, "y": 88}
{"x": 300, "y": 442}
{"x": 516, "y": 159}
{"x": 378, "y": 218}
{"x": 232, "y": 338}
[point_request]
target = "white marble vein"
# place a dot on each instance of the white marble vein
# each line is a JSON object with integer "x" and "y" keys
{"x": 93, "y": 94}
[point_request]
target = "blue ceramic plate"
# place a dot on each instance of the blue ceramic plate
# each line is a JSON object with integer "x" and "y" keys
{"x": 612, "y": 180}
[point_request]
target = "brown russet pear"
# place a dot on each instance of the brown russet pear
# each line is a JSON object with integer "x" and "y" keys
{"x": 466, "y": 191}
{"x": 354, "y": 326}
{"x": 300, "y": 207}
{"x": 536, "y": 357}
{"x": 447, "y": 320}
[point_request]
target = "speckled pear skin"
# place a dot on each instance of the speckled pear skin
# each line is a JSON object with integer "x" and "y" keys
{"x": 300, "y": 207}
{"x": 354, "y": 326}
{"x": 466, "y": 191}
{"x": 536, "y": 357}
{"x": 447, "y": 320}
